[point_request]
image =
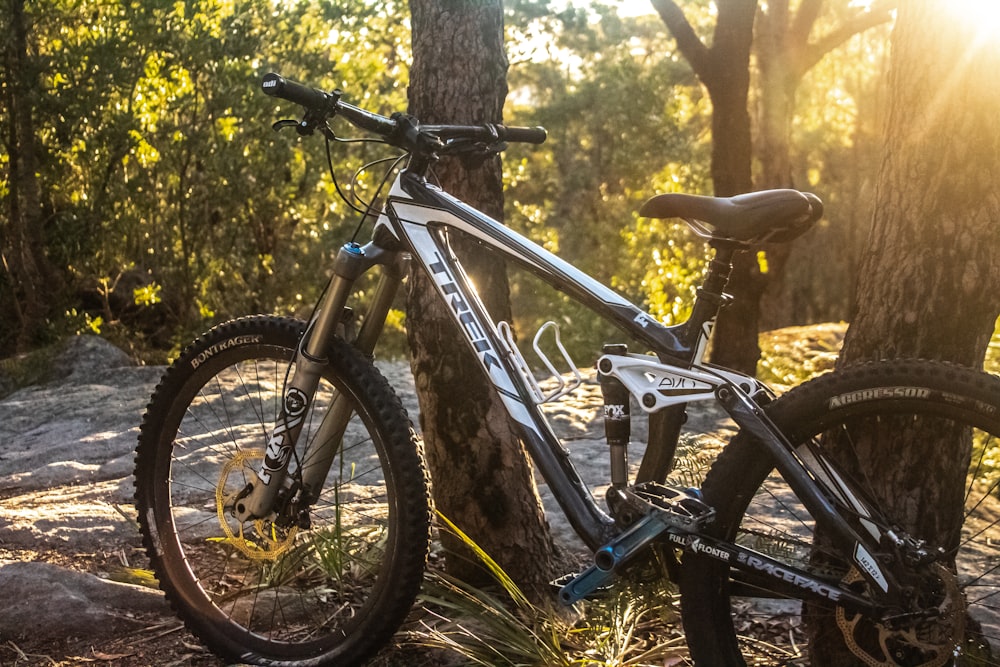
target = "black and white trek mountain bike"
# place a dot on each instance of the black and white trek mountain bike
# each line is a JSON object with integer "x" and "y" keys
{"x": 283, "y": 497}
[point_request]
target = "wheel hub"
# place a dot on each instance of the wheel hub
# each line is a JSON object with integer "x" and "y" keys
{"x": 929, "y": 641}
{"x": 265, "y": 540}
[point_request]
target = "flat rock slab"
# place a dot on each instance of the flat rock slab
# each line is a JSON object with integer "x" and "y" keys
{"x": 44, "y": 600}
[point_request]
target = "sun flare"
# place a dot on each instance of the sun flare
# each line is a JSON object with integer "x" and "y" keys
{"x": 980, "y": 18}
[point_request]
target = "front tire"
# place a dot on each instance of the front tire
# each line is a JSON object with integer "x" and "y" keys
{"x": 328, "y": 590}
{"x": 888, "y": 411}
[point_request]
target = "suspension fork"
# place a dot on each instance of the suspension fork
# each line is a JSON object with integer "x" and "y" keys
{"x": 351, "y": 263}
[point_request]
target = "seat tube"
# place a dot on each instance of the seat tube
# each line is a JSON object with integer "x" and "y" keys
{"x": 710, "y": 300}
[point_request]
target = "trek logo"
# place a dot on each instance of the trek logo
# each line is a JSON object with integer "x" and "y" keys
{"x": 443, "y": 277}
{"x": 278, "y": 451}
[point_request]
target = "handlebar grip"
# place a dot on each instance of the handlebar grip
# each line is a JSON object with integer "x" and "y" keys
{"x": 276, "y": 85}
{"x": 524, "y": 135}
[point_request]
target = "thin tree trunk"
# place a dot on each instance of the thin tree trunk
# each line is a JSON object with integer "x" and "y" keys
{"x": 724, "y": 70}
{"x": 23, "y": 246}
{"x": 481, "y": 477}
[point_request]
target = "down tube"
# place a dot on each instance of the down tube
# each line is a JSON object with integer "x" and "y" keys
{"x": 432, "y": 250}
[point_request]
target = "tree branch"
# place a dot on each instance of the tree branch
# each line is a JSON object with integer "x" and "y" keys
{"x": 693, "y": 49}
{"x": 877, "y": 14}
{"x": 805, "y": 19}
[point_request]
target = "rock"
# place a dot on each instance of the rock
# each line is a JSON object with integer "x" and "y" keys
{"x": 48, "y": 601}
{"x": 66, "y": 458}
{"x": 84, "y": 356}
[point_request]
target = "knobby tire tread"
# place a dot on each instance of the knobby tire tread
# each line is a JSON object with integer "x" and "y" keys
{"x": 404, "y": 463}
{"x": 743, "y": 466}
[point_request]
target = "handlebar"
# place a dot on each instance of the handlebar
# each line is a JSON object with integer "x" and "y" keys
{"x": 399, "y": 130}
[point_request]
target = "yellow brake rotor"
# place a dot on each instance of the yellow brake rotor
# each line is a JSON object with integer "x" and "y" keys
{"x": 268, "y": 542}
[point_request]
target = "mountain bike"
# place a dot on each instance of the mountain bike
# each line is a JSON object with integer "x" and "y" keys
{"x": 283, "y": 496}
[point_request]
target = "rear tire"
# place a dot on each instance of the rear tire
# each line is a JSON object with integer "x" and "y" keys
{"x": 728, "y": 624}
{"x": 332, "y": 591}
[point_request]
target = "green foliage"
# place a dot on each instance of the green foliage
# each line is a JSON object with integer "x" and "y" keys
{"x": 169, "y": 202}
{"x": 159, "y": 154}
{"x": 626, "y": 121}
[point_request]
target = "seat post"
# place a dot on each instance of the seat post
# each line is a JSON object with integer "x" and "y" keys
{"x": 711, "y": 296}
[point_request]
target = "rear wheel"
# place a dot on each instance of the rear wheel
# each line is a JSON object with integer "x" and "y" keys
{"x": 331, "y": 586}
{"x": 932, "y": 432}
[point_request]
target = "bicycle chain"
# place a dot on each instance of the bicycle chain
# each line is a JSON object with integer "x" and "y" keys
{"x": 275, "y": 545}
{"x": 848, "y": 626}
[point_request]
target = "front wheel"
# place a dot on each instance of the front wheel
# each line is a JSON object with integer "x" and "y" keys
{"x": 330, "y": 586}
{"x": 919, "y": 442}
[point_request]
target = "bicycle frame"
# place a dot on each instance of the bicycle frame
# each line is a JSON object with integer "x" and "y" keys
{"x": 416, "y": 221}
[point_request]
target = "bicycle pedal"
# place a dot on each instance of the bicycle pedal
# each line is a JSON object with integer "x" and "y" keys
{"x": 679, "y": 508}
{"x": 599, "y": 591}
{"x": 611, "y": 557}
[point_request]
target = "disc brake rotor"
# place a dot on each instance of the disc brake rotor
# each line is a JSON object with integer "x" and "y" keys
{"x": 927, "y": 642}
{"x": 265, "y": 541}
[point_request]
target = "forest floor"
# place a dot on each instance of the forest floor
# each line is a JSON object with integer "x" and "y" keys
{"x": 68, "y": 531}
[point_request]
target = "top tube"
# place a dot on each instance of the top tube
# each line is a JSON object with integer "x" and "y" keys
{"x": 414, "y": 201}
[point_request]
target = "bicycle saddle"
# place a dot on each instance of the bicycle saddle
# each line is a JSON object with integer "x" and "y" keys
{"x": 775, "y": 216}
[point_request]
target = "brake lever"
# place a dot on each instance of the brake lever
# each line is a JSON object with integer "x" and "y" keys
{"x": 474, "y": 155}
{"x": 282, "y": 124}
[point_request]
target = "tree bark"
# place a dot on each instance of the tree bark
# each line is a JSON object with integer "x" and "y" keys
{"x": 929, "y": 277}
{"x": 785, "y": 54}
{"x": 23, "y": 246}
{"x": 724, "y": 70}
{"x": 481, "y": 477}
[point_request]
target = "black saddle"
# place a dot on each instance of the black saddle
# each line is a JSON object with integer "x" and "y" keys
{"x": 775, "y": 216}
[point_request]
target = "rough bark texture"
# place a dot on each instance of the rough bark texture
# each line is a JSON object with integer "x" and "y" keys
{"x": 22, "y": 247}
{"x": 724, "y": 70}
{"x": 786, "y": 50}
{"x": 481, "y": 477}
{"x": 929, "y": 278}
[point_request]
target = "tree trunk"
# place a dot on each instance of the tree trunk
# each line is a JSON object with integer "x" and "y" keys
{"x": 482, "y": 479}
{"x": 785, "y": 54}
{"x": 23, "y": 246}
{"x": 929, "y": 277}
{"x": 724, "y": 70}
